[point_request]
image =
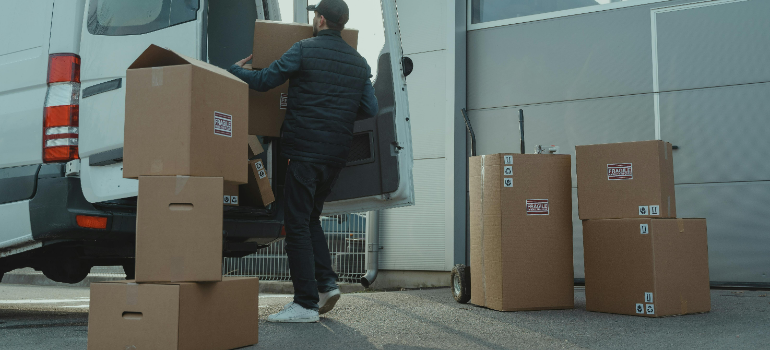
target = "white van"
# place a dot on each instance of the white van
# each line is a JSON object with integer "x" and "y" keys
{"x": 64, "y": 204}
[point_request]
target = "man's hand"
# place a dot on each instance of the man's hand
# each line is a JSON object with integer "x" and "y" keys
{"x": 243, "y": 61}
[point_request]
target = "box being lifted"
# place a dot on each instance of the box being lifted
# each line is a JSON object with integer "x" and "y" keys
{"x": 646, "y": 267}
{"x": 271, "y": 40}
{"x": 206, "y": 316}
{"x": 625, "y": 180}
{"x": 521, "y": 232}
{"x": 184, "y": 117}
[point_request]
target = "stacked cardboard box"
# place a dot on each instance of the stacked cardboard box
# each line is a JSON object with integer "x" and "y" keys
{"x": 185, "y": 139}
{"x": 639, "y": 258}
{"x": 521, "y": 232}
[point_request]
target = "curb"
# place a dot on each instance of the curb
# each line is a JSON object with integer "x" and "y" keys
{"x": 267, "y": 287}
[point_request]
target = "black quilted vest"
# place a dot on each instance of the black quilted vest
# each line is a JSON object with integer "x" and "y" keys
{"x": 324, "y": 97}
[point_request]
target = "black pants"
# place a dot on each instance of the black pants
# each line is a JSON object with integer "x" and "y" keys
{"x": 306, "y": 189}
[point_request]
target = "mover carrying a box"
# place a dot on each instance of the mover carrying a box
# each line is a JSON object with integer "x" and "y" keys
{"x": 271, "y": 40}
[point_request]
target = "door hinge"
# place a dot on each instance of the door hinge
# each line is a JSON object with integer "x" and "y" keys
{"x": 395, "y": 147}
{"x": 72, "y": 168}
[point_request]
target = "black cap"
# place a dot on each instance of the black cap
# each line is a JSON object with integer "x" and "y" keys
{"x": 333, "y": 10}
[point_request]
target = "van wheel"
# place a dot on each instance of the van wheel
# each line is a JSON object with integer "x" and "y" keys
{"x": 461, "y": 283}
{"x": 130, "y": 269}
{"x": 72, "y": 272}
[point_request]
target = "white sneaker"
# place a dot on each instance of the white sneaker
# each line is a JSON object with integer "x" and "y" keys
{"x": 294, "y": 312}
{"x": 326, "y": 301}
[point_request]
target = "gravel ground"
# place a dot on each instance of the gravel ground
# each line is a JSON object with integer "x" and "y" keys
{"x": 33, "y": 317}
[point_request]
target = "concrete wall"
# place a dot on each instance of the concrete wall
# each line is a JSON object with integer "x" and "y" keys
{"x": 598, "y": 78}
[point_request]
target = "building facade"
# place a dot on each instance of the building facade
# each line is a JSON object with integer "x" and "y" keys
{"x": 693, "y": 73}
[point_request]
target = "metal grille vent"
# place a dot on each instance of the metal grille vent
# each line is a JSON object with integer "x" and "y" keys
{"x": 361, "y": 149}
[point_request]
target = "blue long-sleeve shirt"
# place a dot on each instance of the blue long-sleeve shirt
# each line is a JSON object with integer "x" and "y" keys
{"x": 282, "y": 69}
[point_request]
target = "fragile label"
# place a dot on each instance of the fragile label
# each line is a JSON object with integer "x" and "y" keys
{"x": 508, "y": 182}
{"x": 284, "y": 101}
{"x": 508, "y": 170}
{"x": 650, "y": 309}
{"x": 643, "y": 229}
{"x": 640, "y": 308}
{"x": 227, "y": 200}
{"x": 508, "y": 159}
{"x": 654, "y": 210}
{"x": 620, "y": 171}
{"x": 643, "y": 210}
{"x": 648, "y": 297}
{"x": 259, "y": 166}
{"x": 537, "y": 207}
{"x": 223, "y": 124}
{"x": 262, "y": 174}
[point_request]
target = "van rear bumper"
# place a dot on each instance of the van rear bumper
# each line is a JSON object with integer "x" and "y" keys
{"x": 58, "y": 200}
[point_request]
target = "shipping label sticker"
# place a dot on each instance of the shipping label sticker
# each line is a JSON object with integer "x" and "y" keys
{"x": 227, "y": 200}
{"x": 508, "y": 159}
{"x": 654, "y": 210}
{"x": 223, "y": 124}
{"x": 508, "y": 182}
{"x": 259, "y": 165}
{"x": 262, "y": 174}
{"x": 643, "y": 210}
{"x": 508, "y": 170}
{"x": 650, "y": 309}
{"x": 640, "y": 308}
{"x": 643, "y": 229}
{"x": 537, "y": 207}
{"x": 620, "y": 171}
{"x": 648, "y": 297}
{"x": 284, "y": 101}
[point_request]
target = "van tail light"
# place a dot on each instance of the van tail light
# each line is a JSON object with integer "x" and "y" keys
{"x": 63, "y": 68}
{"x": 87, "y": 221}
{"x": 62, "y": 109}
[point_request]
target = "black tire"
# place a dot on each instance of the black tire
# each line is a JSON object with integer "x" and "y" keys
{"x": 460, "y": 283}
{"x": 71, "y": 272}
{"x": 130, "y": 269}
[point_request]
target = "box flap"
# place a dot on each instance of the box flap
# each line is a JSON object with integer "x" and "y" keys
{"x": 156, "y": 56}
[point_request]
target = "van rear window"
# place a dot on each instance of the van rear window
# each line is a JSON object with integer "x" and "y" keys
{"x": 121, "y": 17}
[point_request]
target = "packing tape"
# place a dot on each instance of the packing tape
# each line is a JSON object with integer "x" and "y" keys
{"x": 156, "y": 167}
{"x": 132, "y": 294}
{"x": 177, "y": 269}
{"x": 483, "y": 267}
{"x": 180, "y": 182}
{"x": 157, "y": 76}
{"x": 680, "y": 223}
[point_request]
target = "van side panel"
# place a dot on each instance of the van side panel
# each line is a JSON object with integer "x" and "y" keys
{"x": 16, "y": 224}
{"x": 65, "y": 27}
{"x": 24, "y": 32}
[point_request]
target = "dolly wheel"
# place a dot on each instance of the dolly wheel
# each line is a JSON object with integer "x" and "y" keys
{"x": 461, "y": 283}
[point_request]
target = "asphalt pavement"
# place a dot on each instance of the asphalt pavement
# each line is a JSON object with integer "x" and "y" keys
{"x": 36, "y": 317}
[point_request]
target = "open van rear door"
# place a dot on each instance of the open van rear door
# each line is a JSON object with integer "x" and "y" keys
{"x": 378, "y": 174}
{"x": 113, "y": 35}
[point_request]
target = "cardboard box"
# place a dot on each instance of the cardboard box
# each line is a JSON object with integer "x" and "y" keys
{"x": 210, "y": 316}
{"x": 271, "y": 40}
{"x": 257, "y": 192}
{"x": 179, "y": 229}
{"x": 646, "y": 267}
{"x": 184, "y": 117}
{"x": 625, "y": 180}
{"x": 521, "y": 232}
{"x": 231, "y": 197}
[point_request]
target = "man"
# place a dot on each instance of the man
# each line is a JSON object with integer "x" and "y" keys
{"x": 329, "y": 88}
